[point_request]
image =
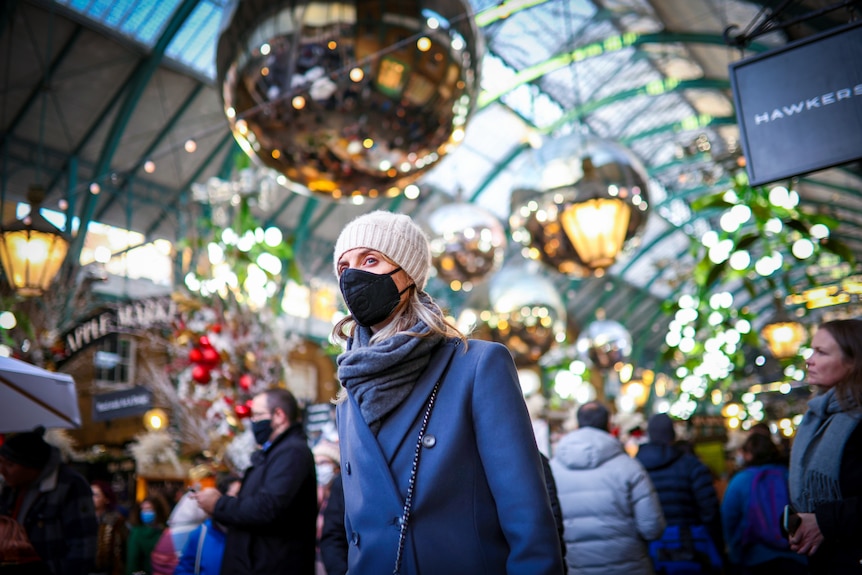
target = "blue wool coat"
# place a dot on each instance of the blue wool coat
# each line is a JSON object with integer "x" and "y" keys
{"x": 480, "y": 502}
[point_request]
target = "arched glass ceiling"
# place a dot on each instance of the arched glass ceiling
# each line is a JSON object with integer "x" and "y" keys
{"x": 650, "y": 74}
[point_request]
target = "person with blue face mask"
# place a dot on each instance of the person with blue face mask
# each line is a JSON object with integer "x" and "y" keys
{"x": 148, "y": 522}
{"x": 439, "y": 464}
{"x": 271, "y": 522}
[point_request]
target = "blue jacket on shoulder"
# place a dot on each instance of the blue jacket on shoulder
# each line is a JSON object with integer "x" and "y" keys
{"x": 480, "y": 503}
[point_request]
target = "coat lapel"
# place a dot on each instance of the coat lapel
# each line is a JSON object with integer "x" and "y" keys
{"x": 395, "y": 430}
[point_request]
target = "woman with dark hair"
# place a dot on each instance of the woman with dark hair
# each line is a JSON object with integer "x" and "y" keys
{"x": 826, "y": 458}
{"x": 113, "y": 533}
{"x": 148, "y": 519}
{"x": 751, "y": 513}
{"x": 440, "y": 468}
{"x": 17, "y": 555}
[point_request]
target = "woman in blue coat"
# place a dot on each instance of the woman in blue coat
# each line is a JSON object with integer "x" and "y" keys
{"x": 440, "y": 467}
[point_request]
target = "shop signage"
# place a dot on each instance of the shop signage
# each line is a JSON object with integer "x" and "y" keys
{"x": 126, "y": 403}
{"x": 134, "y": 317}
{"x": 800, "y": 107}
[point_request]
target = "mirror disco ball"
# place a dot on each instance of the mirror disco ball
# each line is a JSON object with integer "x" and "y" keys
{"x": 552, "y": 177}
{"x": 467, "y": 244}
{"x": 348, "y": 98}
{"x": 522, "y": 309}
{"x": 605, "y": 343}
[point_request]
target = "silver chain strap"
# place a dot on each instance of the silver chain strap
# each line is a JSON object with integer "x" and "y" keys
{"x": 411, "y": 485}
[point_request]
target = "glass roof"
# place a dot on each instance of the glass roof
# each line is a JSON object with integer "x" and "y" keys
{"x": 632, "y": 71}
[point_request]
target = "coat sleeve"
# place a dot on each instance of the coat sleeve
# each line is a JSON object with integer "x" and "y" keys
{"x": 842, "y": 520}
{"x": 134, "y": 552}
{"x": 510, "y": 458}
{"x": 80, "y": 527}
{"x": 649, "y": 517}
{"x": 257, "y": 508}
{"x": 707, "y": 501}
{"x": 186, "y": 565}
{"x": 732, "y": 513}
{"x": 333, "y": 536}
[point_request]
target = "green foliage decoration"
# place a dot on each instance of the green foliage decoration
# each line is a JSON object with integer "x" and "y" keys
{"x": 765, "y": 241}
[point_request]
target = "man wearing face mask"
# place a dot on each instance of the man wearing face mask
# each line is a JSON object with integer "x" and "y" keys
{"x": 271, "y": 522}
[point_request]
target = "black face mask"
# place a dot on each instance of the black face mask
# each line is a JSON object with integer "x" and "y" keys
{"x": 262, "y": 430}
{"x": 369, "y": 297}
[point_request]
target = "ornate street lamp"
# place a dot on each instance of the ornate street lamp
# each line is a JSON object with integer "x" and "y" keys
{"x": 32, "y": 250}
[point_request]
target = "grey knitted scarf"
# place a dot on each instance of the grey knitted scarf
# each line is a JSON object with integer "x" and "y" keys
{"x": 381, "y": 375}
{"x": 815, "y": 461}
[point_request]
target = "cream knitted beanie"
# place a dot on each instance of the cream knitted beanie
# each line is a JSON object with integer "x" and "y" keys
{"x": 394, "y": 235}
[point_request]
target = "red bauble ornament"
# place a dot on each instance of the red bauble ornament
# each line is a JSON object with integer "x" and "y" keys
{"x": 241, "y": 410}
{"x": 210, "y": 357}
{"x": 216, "y": 328}
{"x": 204, "y": 341}
{"x": 245, "y": 381}
{"x": 201, "y": 374}
{"x": 228, "y": 400}
{"x": 195, "y": 355}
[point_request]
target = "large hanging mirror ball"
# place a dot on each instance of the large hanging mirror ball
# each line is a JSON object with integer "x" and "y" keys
{"x": 350, "y": 98}
{"x": 467, "y": 243}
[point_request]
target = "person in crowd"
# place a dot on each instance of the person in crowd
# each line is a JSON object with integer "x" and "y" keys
{"x": 113, "y": 533}
{"x": 51, "y": 501}
{"x": 610, "y": 508}
{"x": 826, "y": 456}
{"x": 327, "y": 465}
{"x": 684, "y": 485}
{"x": 440, "y": 468}
{"x": 149, "y": 519}
{"x": 271, "y": 522}
{"x": 185, "y": 517}
{"x": 17, "y": 555}
{"x": 333, "y": 543}
{"x": 204, "y": 546}
{"x": 751, "y": 513}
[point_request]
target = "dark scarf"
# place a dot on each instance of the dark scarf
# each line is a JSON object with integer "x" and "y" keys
{"x": 381, "y": 375}
{"x": 815, "y": 461}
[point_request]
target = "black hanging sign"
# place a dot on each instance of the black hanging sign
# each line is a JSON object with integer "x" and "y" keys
{"x": 800, "y": 107}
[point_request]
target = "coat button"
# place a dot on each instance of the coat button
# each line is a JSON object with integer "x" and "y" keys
{"x": 347, "y": 468}
{"x": 429, "y": 441}
{"x": 354, "y": 539}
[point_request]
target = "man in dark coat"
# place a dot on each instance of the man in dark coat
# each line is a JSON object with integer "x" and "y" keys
{"x": 683, "y": 482}
{"x": 272, "y": 521}
{"x": 53, "y": 502}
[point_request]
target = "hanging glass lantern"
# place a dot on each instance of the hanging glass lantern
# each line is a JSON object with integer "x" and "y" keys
{"x": 581, "y": 200}
{"x": 784, "y": 337}
{"x": 32, "y": 250}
